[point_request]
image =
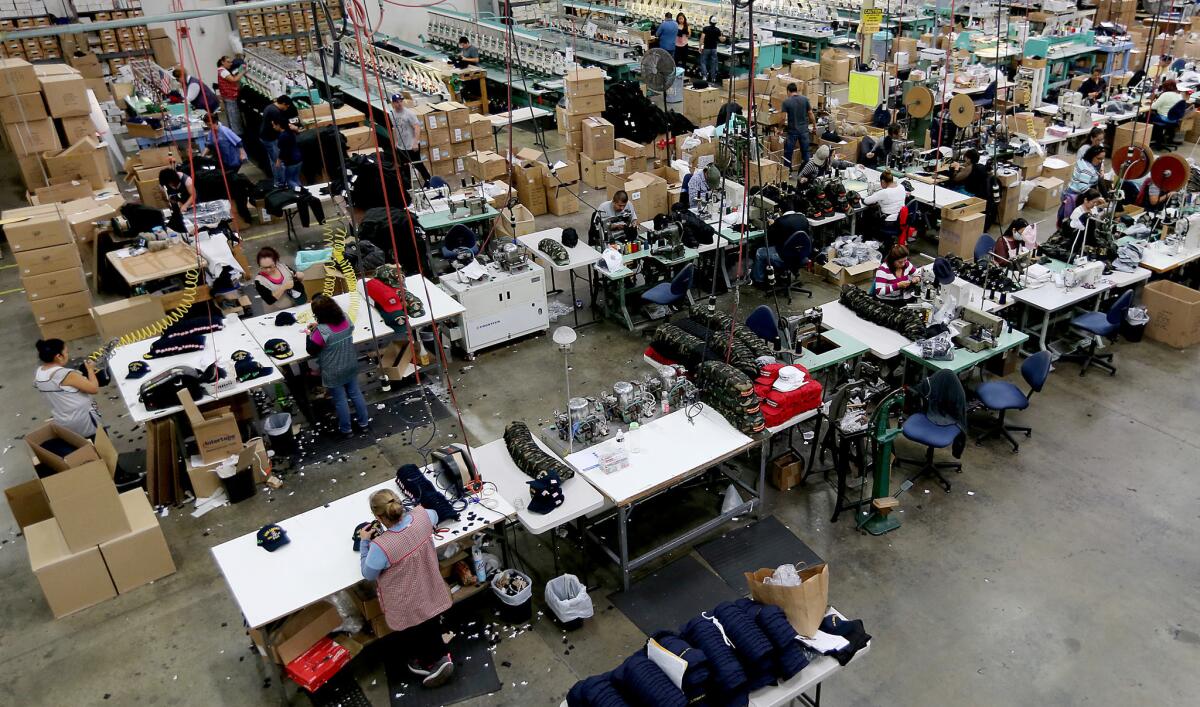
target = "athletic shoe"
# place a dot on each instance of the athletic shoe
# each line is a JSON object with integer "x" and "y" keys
{"x": 443, "y": 670}
{"x": 415, "y": 668}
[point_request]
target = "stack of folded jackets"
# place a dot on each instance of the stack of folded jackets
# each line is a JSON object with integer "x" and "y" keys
{"x": 783, "y": 399}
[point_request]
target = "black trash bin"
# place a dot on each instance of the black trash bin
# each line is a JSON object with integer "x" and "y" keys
{"x": 278, "y": 428}
{"x": 1132, "y": 332}
{"x": 239, "y": 485}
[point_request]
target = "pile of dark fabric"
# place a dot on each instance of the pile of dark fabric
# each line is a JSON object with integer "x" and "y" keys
{"x": 413, "y": 482}
{"x": 716, "y": 319}
{"x": 984, "y": 273}
{"x": 909, "y": 323}
{"x": 211, "y": 183}
{"x": 308, "y": 207}
{"x": 636, "y": 117}
{"x": 731, "y": 393}
{"x": 738, "y": 647}
{"x": 529, "y": 457}
{"x": 321, "y": 151}
{"x": 368, "y": 191}
{"x": 375, "y": 228}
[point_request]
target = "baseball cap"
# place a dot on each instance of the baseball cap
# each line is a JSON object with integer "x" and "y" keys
{"x": 272, "y": 536}
{"x": 545, "y": 493}
{"x": 790, "y": 378}
{"x": 278, "y": 349}
{"x": 397, "y": 97}
{"x": 137, "y": 369}
{"x": 284, "y": 319}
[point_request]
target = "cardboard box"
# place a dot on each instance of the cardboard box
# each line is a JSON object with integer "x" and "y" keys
{"x": 60, "y": 191}
{"x": 460, "y": 134}
{"x": 647, "y": 194}
{"x": 116, "y": 319}
{"x": 963, "y": 209}
{"x": 1057, "y": 168}
{"x": 462, "y": 149}
{"x": 396, "y": 362}
{"x": 593, "y": 171}
{"x": 598, "y": 136}
{"x": 835, "y": 67}
{"x": 561, "y": 200}
{"x": 786, "y": 470}
{"x": 567, "y": 122}
{"x": 203, "y": 477}
{"x": 303, "y": 629}
{"x": 1174, "y": 313}
{"x": 87, "y": 65}
{"x": 584, "y": 82}
{"x": 457, "y": 114}
{"x": 1008, "y": 208}
{"x": 481, "y": 128}
{"x": 805, "y": 70}
{"x": 585, "y": 105}
{"x": 140, "y": 556}
{"x": 216, "y": 431}
{"x": 53, "y": 309}
{"x": 358, "y": 138}
{"x": 164, "y": 51}
{"x": 70, "y": 580}
{"x": 629, "y": 148}
{"x": 434, "y": 118}
{"x": 85, "y": 504}
{"x": 32, "y": 137}
{"x": 28, "y": 503}
{"x": 1047, "y": 194}
{"x": 1132, "y": 133}
{"x": 1030, "y": 165}
{"x": 68, "y": 329}
{"x": 85, "y": 161}
{"x": 566, "y": 173}
{"x": 958, "y": 237}
{"x": 44, "y": 260}
{"x": 515, "y": 222}
{"x": 77, "y": 128}
{"x": 32, "y": 170}
{"x": 83, "y": 223}
{"x": 65, "y": 94}
{"x": 840, "y": 275}
{"x": 41, "y": 227}
{"x": 847, "y": 149}
{"x": 486, "y": 166}
{"x": 526, "y": 179}
{"x": 437, "y": 137}
{"x": 22, "y": 107}
{"x": 16, "y": 77}
{"x": 84, "y": 452}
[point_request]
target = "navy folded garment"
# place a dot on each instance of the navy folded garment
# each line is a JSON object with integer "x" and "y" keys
{"x": 727, "y": 684}
{"x": 697, "y": 674}
{"x": 410, "y": 478}
{"x": 752, "y": 645}
{"x": 644, "y": 683}
{"x": 596, "y": 691}
{"x": 790, "y": 655}
{"x": 852, "y": 631}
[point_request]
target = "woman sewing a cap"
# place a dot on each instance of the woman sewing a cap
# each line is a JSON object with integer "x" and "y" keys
{"x": 398, "y": 555}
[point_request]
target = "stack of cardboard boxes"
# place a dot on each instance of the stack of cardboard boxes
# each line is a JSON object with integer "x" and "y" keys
{"x": 525, "y": 173}
{"x": 558, "y": 183}
{"x": 86, "y": 542}
{"x": 584, "y": 89}
{"x": 1119, "y": 11}
{"x": 701, "y": 105}
{"x": 448, "y": 136}
{"x": 142, "y": 170}
{"x": 51, "y": 271}
{"x": 598, "y": 149}
{"x": 962, "y": 225}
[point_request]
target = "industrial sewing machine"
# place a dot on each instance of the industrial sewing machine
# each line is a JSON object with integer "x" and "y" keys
{"x": 798, "y": 330}
{"x": 667, "y": 241}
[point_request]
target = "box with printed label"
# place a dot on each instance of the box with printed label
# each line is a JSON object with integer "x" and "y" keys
{"x": 598, "y": 135}
{"x": 16, "y": 77}
{"x": 41, "y": 227}
{"x": 53, "y": 284}
{"x": 457, "y": 114}
{"x": 584, "y": 82}
{"x": 460, "y": 134}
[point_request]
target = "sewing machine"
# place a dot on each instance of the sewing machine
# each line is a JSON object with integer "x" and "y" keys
{"x": 667, "y": 242}
{"x": 423, "y": 199}
{"x": 798, "y": 330}
{"x": 508, "y": 255}
{"x": 467, "y": 205}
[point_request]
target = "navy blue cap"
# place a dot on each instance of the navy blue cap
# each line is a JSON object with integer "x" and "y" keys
{"x": 271, "y": 537}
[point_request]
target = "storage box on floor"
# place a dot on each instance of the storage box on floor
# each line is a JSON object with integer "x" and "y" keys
{"x": 962, "y": 225}
{"x": 1174, "y": 313}
{"x": 560, "y": 183}
{"x": 51, "y": 271}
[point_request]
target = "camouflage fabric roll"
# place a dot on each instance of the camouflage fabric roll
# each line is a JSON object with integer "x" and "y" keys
{"x": 529, "y": 457}
{"x": 555, "y": 251}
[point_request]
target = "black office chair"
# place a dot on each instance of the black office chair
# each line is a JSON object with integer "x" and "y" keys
{"x": 795, "y": 254}
{"x": 1162, "y": 131}
{"x": 987, "y": 98}
{"x": 1100, "y": 324}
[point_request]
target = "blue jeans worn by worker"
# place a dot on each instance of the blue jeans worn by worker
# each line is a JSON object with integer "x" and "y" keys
{"x": 272, "y": 148}
{"x": 291, "y": 175}
{"x": 233, "y": 114}
{"x": 759, "y": 273}
{"x": 342, "y": 395}
{"x": 709, "y": 69}
{"x": 794, "y": 138}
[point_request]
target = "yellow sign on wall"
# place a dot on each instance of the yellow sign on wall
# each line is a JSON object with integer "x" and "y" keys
{"x": 871, "y": 19}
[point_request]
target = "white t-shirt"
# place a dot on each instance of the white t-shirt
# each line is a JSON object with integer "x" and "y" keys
{"x": 223, "y": 73}
{"x": 1077, "y": 217}
{"x": 890, "y": 201}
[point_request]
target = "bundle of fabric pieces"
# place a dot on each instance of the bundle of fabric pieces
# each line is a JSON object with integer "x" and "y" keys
{"x": 852, "y": 250}
{"x": 546, "y": 472}
{"x": 691, "y": 344}
{"x": 984, "y": 273}
{"x": 718, "y": 658}
{"x": 731, "y": 393}
{"x": 187, "y": 334}
{"x": 716, "y": 319}
{"x": 908, "y": 322}
{"x": 637, "y": 118}
{"x": 417, "y": 486}
{"x": 786, "y": 391}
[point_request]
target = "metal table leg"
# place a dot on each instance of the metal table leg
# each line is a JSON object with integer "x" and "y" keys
{"x": 623, "y": 543}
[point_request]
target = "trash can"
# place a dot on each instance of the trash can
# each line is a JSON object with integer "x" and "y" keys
{"x": 238, "y": 483}
{"x": 278, "y": 428}
{"x": 1133, "y": 326}
{"x": 515, "y": 594}
{"x": 568, "y": 601}
{"x": 675, "y": 91}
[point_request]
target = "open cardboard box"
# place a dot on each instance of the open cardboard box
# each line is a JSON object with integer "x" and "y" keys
{"x": 85, "y": 450}
{"x": 85, "y": 504}
{"x": 216, "y": 431}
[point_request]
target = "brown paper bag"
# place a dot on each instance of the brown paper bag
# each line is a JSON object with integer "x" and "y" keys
{"x": 804, "y": 605}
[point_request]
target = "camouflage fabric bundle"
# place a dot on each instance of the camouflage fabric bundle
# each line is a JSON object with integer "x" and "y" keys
{"x": 731, "y": 393}
{"x": 720, "y": 320}
{"x": 741, "y": 357}
{"x": 678, "y": 345}
{"x": 909, "y": 323}
{"x": 529, "y": 457}
{"x": 555, "y": 251}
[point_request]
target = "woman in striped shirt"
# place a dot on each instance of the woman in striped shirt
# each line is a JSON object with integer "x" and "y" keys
{"x": 893, "y": 279}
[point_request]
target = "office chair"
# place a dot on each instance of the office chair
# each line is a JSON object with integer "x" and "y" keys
{"x": 460, "y": 237}
{"x": 763, "y": 322}
{"x": 437, "y": 183}
{"x": 1002, "y": 396}
{"x": 1100, "y": 324}
{"x": 1178, "y": 65}
{"x": 1164, "y": 128}
{"x": 987, "y": 98}
{"x": 983, "y": 247}
{"x": 921, "y": 429}
{"x": 795, "y": 254}
{"x": 669, "y": 293}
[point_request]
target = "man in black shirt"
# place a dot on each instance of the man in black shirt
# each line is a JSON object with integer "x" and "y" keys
{"x": 710, "y": 37}
{"x": 799, "y": 116}
{"x": 283, "y": 112}
{"x": 1094, "y": 86}
{"x": 969, "y": 177}
{"x": 777, "y": 234}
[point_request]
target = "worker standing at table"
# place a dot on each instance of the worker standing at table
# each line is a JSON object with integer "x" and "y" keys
{"x": 276, "y": 283}
{"x": 331, "y": 341}
{"x": 399, "y": 556}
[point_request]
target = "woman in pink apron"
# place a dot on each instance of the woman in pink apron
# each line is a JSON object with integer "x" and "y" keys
{"x": 412, "y": 593}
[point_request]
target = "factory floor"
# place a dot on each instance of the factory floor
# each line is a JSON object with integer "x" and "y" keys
{"x": 1061, "y": 575}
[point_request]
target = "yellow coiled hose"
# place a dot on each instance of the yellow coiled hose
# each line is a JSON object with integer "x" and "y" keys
{"x": 191, "y": 279}
{"x": 335, "y": 239}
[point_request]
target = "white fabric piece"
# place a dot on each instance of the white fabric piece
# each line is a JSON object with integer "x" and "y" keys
{"x": 672, "y": 665}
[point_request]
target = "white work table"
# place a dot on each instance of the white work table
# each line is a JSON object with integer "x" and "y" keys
{"x": 219, "y": 345}
{"x": 1049, "y": 299}
{"x": 1158, "y": 258}
{"x": 496, "y": 466}
{"x": 319, "y": 559}
{"x": 580, "y": 256}
{"x": 883, "y": 342}
{"x": 925, "y": 193}
{"x": 816, "y": 672}
{"x": 368, "y": 325}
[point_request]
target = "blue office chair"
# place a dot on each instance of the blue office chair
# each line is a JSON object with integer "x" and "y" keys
{"x": 1002, "y": 396}
{"x": 983, "y": 247}
{"x": 1162, "y": 131}
{"x": 1178, "y": 65}
{"x": 987, "y": 98}
{"x": 669, "y": 293}
{"x": 1097, "y": 324}
{"x": 796, "y": 254}
{"x": 437, "y": 183}
{"x": 763, "y": 322}
{"x": 920, "y": 428}
{"x": 460, "y": 237}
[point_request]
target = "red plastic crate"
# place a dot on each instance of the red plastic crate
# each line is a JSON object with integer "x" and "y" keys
{"x": 319, "y": 663}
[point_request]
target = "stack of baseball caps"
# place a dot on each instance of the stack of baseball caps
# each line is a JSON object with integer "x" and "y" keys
{"x": 731, "y": 393}
{"x": 786, "y": 391}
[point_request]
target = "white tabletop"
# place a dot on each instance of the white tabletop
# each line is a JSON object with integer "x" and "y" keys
{"x": 218, "y": 347}
{"x": 496, "y": 466}
{"x": 519, "y": 115}
{"x": 883, "y": 342}
{"x": 1050, "y": 298}
{"x": 924, "y": 193}
{"x": 581, "y": 255}
{"x": 669, "y": 449}
{"x": 368, "y": 324}
{"x": 319, "y": 559}
{"x": 1157, "y": 257}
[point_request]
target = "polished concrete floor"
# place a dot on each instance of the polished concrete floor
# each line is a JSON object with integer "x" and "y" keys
{"x": 1062, "y": 575}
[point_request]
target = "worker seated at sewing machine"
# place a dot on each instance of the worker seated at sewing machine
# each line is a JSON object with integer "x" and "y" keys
{"x": 1146, "y": 194}
{"x": 618, "y": 210}
{"x": 1087, "y": 171}
{"x": 873, "y": 154}
{"x": 1020, "y": 237}
{"x": 969, "y": 177}
{"x": 895, "y": 278}
{"x": 781, "y": 229}
{"x": 821, "y": 165}
{"x": 1094, "y": 87}
{"x": 1087, "y": 209}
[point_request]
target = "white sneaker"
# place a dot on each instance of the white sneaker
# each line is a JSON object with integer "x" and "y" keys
{"x": 441, "y": 673}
